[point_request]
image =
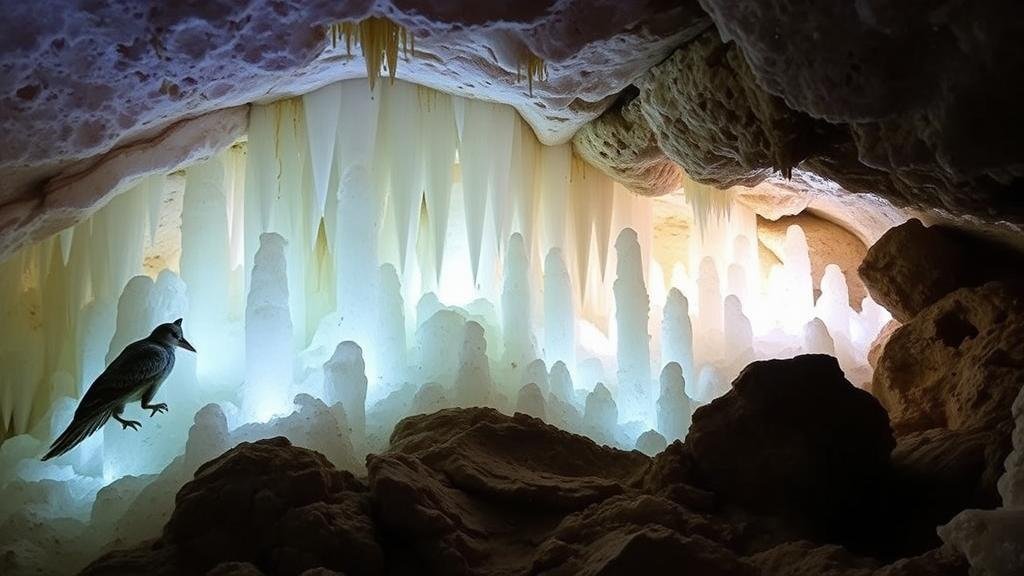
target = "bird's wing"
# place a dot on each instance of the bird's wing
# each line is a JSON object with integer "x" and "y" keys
{"x": 138, "y": 365}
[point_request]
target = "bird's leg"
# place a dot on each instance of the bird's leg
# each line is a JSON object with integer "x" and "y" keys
{"x": 147, "y": 397}
{"x": 125, "y": 424}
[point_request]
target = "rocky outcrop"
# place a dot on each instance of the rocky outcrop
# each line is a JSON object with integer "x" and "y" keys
{"x": 793, "y": 438}
{"x": 948, "y": 379}
{"x": 958, "y": 364}
{"x": 622, "y": 145}
{"x": 912, "y": 266}
{"x": 280, "y": 508}
{"x": 927, "y": 100}
{"x": 472, "y": 491}
{"x": 711, "y": 118}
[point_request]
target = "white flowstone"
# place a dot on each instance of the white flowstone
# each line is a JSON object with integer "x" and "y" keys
{"x": 530, "y": 401}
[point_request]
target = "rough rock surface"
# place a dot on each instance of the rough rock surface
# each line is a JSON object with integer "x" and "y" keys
{"x": 710, "y": 117}
{"x": 97, "y": 77}
{"x": 622, "y": 145}
{"x": 793, "y": 438}
{"x": 283, "y": 509}
{"x": 958, "y": 364}
{"x": 913, "y": 266}
{"x": 472, "y": 491}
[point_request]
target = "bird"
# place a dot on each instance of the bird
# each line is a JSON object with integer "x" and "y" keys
{"x": 136, "y": 374}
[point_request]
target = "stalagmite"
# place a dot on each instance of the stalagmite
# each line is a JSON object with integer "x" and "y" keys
{"x": 677, "y": 334}
{"x": 710, "y": 315}
{"x": 268, "y": 333}
{"x": 473, "y": 384}
{"x": 600, "y": 416}
{"x": 636, "y": 400}
{"x": 833, "y": 306}
{"x": 520, "y": 347}
{"x": 537, "y": 373}
{"x": 817, "y": 339}
{"x": 205, "y": 262}
{"x": 739, "y": 335}
{"x": 559, "y": 312}
{"x": 798, "y": 283}
{"x": 345, "y": 382}
{"x": 674, "y": 410}
{"x": 530, "y": 401}
{"x": 357, "y": 254}
{"x": 710, "y": 385}
{"x": 561, "y": 382}
{"x": 651, "y": 443}
{"x": 390, "y": 357}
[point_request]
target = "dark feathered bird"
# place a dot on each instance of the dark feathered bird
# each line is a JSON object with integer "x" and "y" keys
{"x": 136, "y": 374}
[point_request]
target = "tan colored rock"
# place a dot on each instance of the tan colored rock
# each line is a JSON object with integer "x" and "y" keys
{"x": 828, "y": 243}
{"x": 957, "y": 364}
{"x": 621, "y": 144}
{"x": 710, "y": 116}
{"x": 913, "y": 266}
{"x": 878, "y": 344}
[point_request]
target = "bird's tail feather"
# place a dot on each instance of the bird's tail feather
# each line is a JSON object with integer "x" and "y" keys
{"x": 76, "y": 432}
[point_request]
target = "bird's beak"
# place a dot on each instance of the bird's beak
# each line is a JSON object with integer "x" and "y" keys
{"x": 184, "y": 344}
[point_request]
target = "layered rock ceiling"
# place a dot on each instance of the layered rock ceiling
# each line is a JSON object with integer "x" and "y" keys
{"x": 910, "y": 105}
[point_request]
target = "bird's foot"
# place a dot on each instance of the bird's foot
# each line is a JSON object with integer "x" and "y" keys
{"x": 157, "y": 408}
{"x": 126, "y": 424}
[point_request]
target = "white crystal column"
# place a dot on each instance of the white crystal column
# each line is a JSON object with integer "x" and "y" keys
{"x": 677, "y": 334}
{"x": 515, "y": 306}
{"x": 636, "y": 400}
{"x": 798, "y": 282}
{"x": 389, "y": 347}
{"x": 473, "y": 384}
{"x": 268, "y": 333}
{"x": 345, "y": 382}
{"x": 559, "y": 313}
{"x": 674, "y": 410}
{"x": 205, "y": 262}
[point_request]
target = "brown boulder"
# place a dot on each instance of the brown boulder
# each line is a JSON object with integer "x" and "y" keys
{"x": 280, "y": 508}
{"x": 913, "y": 266}
{"x": 793, "y": 439}
{"x": 957, "y": 364}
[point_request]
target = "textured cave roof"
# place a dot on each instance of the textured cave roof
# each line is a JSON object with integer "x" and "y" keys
{"x": 80, "y": 78}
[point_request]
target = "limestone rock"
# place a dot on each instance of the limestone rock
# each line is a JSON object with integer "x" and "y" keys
{"x": 620, "y": 143}
{"x": 710, "y": 116}
{"x": 939, "y": 473}
{"x": 281, "y": 508}
{"x": 793, "y": 438}
{"x": 913, "y": 266}
{"x": 518, "y": 459}
{"x": 638, "y": 535}
{"x": 957, "y": 364}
